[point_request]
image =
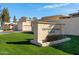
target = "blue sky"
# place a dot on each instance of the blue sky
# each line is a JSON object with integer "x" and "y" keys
{"x": 39, "y": 9}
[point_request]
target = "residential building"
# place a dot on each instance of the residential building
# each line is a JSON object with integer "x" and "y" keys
{"x": 9, "y": 26}
{"x": 24, "y": 24}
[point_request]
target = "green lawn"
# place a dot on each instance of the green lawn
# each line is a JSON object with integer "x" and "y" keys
{"x": 18, "y": 44}
{"x": 71, "y": 46}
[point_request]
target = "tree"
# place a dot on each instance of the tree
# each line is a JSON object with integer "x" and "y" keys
{"x": 5, "y": 15}
{"x": 29, "y": 18}
{"x": 0, "y": 20}
{"x": 23, "y": 19}
{"x": 0, "y": 15}
{"x": 14, "y": 19}
{"x": 35, "y": 18}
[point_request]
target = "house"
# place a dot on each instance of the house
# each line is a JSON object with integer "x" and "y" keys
{"x": 0, "y": 25}
{"x": 24, "y": 24}
{"x": 9, "y": 26}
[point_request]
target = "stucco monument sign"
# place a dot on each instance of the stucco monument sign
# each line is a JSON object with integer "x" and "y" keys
{"x": 44, "y": 30}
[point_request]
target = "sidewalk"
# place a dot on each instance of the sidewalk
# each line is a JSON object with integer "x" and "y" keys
{"x": 9, "y": 32}
{"x": 4, "y": 32}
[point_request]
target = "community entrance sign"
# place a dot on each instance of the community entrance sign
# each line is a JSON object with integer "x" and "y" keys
{"x": 43, "y": 29}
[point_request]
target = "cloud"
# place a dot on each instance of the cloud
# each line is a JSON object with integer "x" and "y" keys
{"x": 51, "y": 6}
{"x": 70, "y": 10}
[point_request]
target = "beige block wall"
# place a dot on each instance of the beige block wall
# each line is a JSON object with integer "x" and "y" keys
{"x": 71, "y": 26}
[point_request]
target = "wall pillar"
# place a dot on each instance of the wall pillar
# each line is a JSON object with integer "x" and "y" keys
{"x": 41, "y": 31}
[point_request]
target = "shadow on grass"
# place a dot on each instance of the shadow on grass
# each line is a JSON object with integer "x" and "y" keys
{"x": 22, "y": 42}
{"x": 28, "y": 32}
{"x": 71, "y": 47}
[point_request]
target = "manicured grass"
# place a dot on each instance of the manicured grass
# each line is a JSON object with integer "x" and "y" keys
{"x": 18, "y": 44}
{"x": 71, "y": 46}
